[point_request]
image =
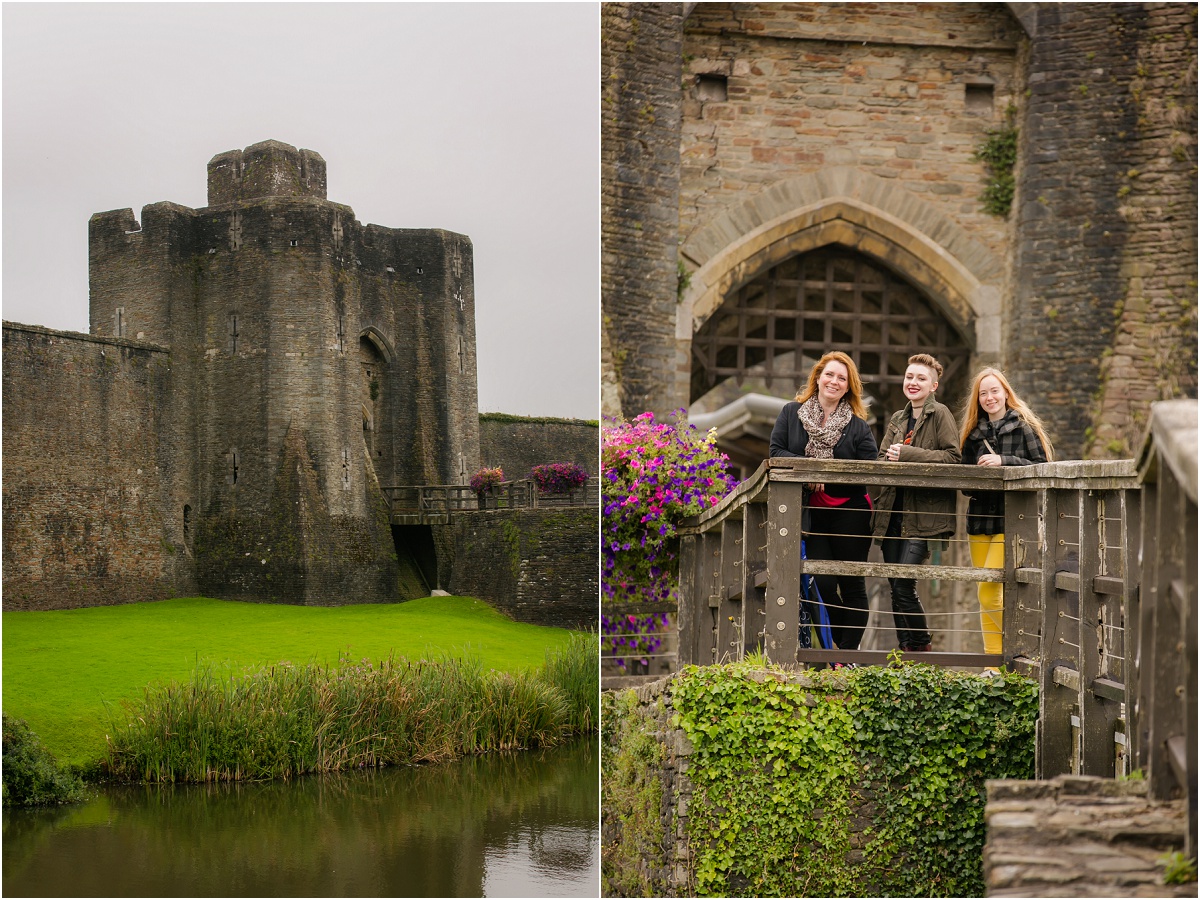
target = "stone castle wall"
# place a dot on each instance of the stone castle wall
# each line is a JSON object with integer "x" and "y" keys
{"x": 902, "y": 91}
{"x": 86, "y": 471}
{"x": 539, "y": 566}
{"x": 1080, "y": 836}
{"x": 517, "y": 446}
{"x": 1102, "y": 317}
{"x": 319, "y": 359}
{"x": 641, "y": 70}
{"x": 304, "y": 361}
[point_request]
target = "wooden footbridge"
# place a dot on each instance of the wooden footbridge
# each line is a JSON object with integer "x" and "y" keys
{"x": 437, "y": 504}
{"x": 1099, "y": 592}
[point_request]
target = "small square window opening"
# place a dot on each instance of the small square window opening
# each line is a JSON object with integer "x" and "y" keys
{"x": 712, "y": 88}
{"x": 979, "y": 98}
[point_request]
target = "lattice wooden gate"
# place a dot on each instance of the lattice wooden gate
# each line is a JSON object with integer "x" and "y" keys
{"x": 777, "y": 325}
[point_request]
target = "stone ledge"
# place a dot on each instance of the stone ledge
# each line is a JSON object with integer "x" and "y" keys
{"x": 1080, "y": 836}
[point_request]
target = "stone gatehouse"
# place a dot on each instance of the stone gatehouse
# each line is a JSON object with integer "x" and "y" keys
{"x": 781, "y": 179}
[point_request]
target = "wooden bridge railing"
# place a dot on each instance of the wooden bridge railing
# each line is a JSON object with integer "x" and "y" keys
{"x": 1081, "y": 539}
{"x": 1162, "y": 615}
{"x": 435, "y": 503}
{"x": 1065, "y": 586}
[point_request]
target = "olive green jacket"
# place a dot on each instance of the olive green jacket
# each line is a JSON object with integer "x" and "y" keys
{"x": 928, "y": 513}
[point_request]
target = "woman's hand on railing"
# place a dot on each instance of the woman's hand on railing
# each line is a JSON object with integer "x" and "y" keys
{"x": 990, "y": 459}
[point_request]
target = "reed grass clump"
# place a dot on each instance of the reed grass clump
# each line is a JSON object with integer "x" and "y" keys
{"x": 575, "y": 670}
{"x": 285, "y": 720}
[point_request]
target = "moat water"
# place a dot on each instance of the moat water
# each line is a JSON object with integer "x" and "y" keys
{"x": 511, "y": 825}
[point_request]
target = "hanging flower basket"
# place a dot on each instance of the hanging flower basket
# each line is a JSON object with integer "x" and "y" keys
{"x": 485, "y": 482}
{"x": 558, "y": 478}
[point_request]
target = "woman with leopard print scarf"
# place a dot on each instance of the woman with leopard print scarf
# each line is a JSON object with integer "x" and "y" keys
{"x": 827, "y": 420}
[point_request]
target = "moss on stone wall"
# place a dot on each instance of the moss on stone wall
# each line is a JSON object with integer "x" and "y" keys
{"x": 632, "y": 845}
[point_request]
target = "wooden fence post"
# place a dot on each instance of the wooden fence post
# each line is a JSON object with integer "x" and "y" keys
{"x": 1060, "y": 634}
{"x": 1131, "y": 576}
{"x": 708, "y": 598}
{"x": 1182, "y": 744}
{"x": 1097, "y": 714}
{"x": 754, "y": 566}
{"x": 785, "y": 501}
{"x": 1022, "y": 557}
{"x": 729, "y": 589}
{"x": 1166, "y": 644}
{"x": 686, "y": 616}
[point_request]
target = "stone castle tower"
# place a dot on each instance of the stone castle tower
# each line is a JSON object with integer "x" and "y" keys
{"x": 272, "y": 364}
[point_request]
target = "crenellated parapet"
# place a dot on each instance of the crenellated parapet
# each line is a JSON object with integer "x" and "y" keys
{"x": 265, "y": 169}
{"x": 129, "y": 269}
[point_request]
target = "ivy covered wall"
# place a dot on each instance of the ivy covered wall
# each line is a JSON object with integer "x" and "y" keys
{"x": 745, "y": 780}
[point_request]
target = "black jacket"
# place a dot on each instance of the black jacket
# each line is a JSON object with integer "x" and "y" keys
{"x": 1018, "y": 445}
{"x": 788, "y": 438}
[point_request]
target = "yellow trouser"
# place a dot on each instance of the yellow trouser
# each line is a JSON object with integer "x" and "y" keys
{"x": 987, "y": 552}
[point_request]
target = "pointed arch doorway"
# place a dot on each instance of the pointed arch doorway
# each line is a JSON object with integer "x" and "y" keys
{"x": 773, "y": 327}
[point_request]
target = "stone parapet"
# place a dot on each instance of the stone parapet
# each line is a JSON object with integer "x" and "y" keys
{"x": 537, "y": 566}
{"x": 265, "y": 169}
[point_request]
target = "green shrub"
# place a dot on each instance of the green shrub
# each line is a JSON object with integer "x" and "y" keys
{"x": 999, "y": 153}
{"x": 1177, "y": 868}
{"x": 31, "y": 775}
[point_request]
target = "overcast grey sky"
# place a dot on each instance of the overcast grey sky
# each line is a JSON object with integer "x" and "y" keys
{"x": 478, "y": 118}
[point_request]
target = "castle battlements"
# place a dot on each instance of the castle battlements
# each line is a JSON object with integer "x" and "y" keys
{"x": 265, "y": 169}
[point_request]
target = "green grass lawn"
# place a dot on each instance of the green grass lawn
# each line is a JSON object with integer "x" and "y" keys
{"x": 66, "y": 671}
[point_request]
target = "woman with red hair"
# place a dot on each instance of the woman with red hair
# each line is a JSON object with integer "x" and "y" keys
{"x": 827, "y": 420}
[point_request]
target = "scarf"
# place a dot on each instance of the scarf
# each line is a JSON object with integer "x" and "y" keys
{"x": 823, "y": 438}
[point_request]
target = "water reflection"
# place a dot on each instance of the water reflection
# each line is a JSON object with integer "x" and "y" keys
{"x": 514, "y": 825}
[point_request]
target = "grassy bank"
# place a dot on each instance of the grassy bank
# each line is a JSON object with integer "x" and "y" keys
{"x": 287, "y": 720}
{"x": 66, "y": 672}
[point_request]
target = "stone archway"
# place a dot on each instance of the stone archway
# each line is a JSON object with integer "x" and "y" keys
{"x": 839, "y": 259}
{"x": 960, "y": 276}
{"x": 835, "y": 297}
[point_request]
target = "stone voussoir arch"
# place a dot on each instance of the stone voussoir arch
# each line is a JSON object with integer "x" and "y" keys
{"x": 379, "y": 342}
{"x": 851, "y": 208}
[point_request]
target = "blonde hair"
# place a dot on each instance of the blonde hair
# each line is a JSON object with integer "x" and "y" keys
{"x": 924, "y": 359}
{"x": 1011, "y": 400}
{"x": 853, "y": 394}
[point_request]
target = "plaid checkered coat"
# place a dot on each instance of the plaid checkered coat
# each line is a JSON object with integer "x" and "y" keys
{"x": 1018, "y": 445}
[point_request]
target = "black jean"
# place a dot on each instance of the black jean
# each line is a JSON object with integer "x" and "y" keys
{"x": 842, "y": 533}
{"x": 911, "y": 627}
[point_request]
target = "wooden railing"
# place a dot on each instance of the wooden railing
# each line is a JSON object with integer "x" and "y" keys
{"x": 435, "y": 503}
{"x": 1082, "y": 616}
{"x": 740, "y": 571}
{"x": 1162, "y": 615}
